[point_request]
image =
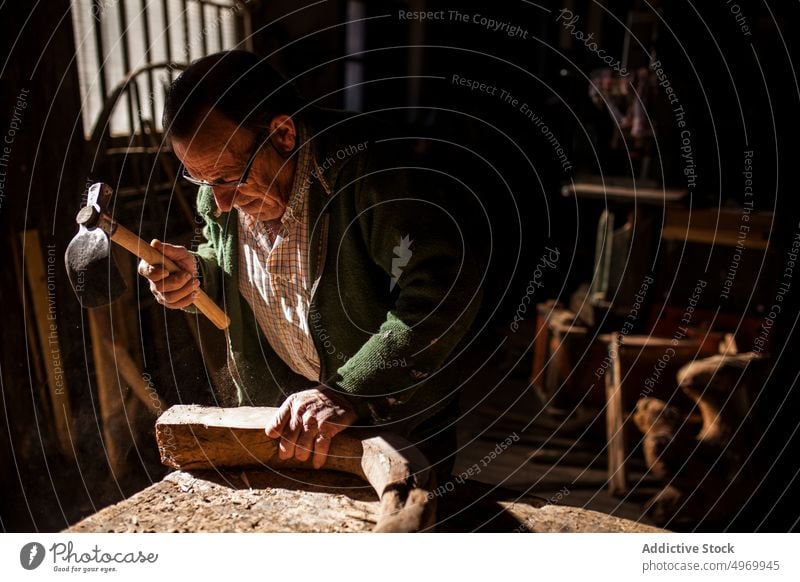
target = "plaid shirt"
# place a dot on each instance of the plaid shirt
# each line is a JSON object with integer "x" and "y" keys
{"x": 274, "y": 271}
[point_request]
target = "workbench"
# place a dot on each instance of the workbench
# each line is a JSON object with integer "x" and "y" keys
{"x": 230, "y": 478}
{"x": 292, "y": 500}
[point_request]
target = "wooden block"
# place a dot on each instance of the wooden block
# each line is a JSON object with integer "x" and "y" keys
{"x": 192, "y": 437}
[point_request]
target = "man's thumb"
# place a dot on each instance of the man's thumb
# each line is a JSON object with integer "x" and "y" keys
{"x": 171, "y": 251}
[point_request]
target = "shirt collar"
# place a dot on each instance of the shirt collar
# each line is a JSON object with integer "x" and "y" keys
{"x": 306, "y": 171}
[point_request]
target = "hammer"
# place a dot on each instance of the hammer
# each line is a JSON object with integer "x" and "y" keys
{"x": 96, "y": 280}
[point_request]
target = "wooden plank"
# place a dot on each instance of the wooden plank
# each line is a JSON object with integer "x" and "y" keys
{"x": 34, "y": 356}
{"x": 719, "y": 227}
{"x": 192, "y": 437}
{"x": 615, "y": 426}
{"x": 622, "y": 193}
{"x": 709, "y": 236}
{"x": 540, "y": 352}
{"x": 42, "y": 294}
{"x": 110, "y": 396}
{"x": 132, "y": 375}
{"x": 119, "y": 381}
{"x": 123, "y": 337}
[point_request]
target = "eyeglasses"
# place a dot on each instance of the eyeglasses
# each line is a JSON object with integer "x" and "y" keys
{"x": 228, "y": 184}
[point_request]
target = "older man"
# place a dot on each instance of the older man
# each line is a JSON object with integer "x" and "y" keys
{"x": 336, "y": 260}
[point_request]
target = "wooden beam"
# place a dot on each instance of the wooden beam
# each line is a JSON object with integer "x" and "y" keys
{"x": 615, "y": 422}
{"x": 196, "y": 437}
{"x": 110, "y": 395}
{"x": 42, "y": 294}
{"x": 752, "y": 230}
{"x": 623, "y": 193}
{"x": 118, "y": 374}
{"x": 35, "y": 356}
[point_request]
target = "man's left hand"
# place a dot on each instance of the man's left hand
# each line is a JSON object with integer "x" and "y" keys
{"x": 307, "y": 421}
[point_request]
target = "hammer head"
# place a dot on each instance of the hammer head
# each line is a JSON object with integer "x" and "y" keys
{"x": 92, "y": 271}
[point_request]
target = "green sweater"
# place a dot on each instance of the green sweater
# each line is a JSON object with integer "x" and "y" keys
{"x": 395, "y": 289}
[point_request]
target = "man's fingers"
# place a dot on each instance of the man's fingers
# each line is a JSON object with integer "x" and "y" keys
{"x": 308, "y": 432}
{"x": 305, "y": 444}
{"x": 173, "y": 282}
{"x": 333, "y": 426}
{"x": 170, "y": 251}
{"x": 288, "y": 442}
{"x": 329, "y": 428}
{"x": 174, "y": 290}
{"x": 276, "y": 424}
{"x": 177, "y": 253}
{"x": 152, "y": 272}
{"x": 179, "y": 298}
{"x": 307, "y": 421}
{"x": 184, "y": 302}
{"x": 322, "y": 444}
{"x": 181, "y": 295}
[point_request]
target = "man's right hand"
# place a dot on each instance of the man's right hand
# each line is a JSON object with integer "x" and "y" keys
{"x": 174, "y": 290}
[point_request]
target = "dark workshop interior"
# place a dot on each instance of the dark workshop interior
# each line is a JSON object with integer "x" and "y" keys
{"x": 621, "y": 170}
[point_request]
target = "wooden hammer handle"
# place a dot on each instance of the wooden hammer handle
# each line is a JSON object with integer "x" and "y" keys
{"x": 132, "y": 243}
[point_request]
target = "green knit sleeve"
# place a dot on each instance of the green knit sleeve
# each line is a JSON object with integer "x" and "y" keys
{"x": 207, "y": 253}
{"x": 208, "y": 261}
{"x": 432, "y": 277}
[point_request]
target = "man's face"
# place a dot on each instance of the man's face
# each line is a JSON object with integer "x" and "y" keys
{"x": 219, "y": 152}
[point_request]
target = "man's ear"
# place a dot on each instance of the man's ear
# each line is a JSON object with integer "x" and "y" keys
{"x": 284, "y": 133}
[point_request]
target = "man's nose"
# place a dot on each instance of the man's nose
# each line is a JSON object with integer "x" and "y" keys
{"x": 224, "y": 197}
